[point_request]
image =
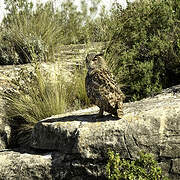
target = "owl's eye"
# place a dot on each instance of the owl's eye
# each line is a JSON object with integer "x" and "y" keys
{"x": 95, "y": 59}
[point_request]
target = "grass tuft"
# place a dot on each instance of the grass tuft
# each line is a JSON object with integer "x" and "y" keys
{"x": 37, "y": 95}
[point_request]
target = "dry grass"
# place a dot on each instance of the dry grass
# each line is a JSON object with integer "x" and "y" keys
{"x": 38, "y": 95}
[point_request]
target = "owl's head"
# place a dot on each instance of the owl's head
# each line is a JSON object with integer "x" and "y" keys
{"x": 95, "y": 61}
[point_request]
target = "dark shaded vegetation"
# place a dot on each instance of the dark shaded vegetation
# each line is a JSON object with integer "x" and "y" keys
{"x": 144, "y": 50}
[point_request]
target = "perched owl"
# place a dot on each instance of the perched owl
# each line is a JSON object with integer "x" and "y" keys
{"x": 101, "y": 88}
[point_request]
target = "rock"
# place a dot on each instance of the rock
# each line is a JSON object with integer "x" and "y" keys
{"x": 5, "y": 129}
{"x": 16, "y": 165}
{"x": 68, "y": 57}
{"x": 49, "y": 166}
{"x": 176, "y": 166}
{"x": 5, "y": 132}
{"x": 74, "y": 145}
{"x": 152, "y": 125}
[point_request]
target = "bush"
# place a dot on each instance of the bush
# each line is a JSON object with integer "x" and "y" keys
{"x": 65, "y": 24}
{"x": 80, "y": 26}
{"x": 17, "y": 48}
{"x": 31, "y": 29}
{"x": 37, "y": 95}
{"x": 144, "y": 49}
{"x": 143, "y": 168}
{"x": 44, "y": 28}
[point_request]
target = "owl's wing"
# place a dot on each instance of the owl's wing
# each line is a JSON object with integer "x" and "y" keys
{"x": 104, "y": 83}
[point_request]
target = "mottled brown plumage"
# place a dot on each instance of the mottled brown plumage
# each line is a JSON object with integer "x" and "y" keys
{"x": 101, "y": 87}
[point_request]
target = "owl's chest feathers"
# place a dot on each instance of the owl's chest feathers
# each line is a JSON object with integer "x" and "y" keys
{"x": 98, "y": 83}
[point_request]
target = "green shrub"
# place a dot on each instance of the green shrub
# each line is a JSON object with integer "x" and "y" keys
{"x": 143, "y": 168}
{"x": 144, "y": 50}
{"x": 38, "y": 94}
{"x": 17, "y": 48}
{"x": 37, "y": 28}
{"x": 66, "y": 24}
{"x": 79, "y": 97}
{"x": 80, "y": 26}
{"x": 44, "y": 28}
{"x": 8, "y": 54}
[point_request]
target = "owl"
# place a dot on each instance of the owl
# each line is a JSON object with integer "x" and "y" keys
{"x": 102, "y": 90}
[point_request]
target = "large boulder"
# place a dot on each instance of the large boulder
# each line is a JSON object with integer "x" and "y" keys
{"x": 16, "y": 165}
{"x": 30, "y": 165}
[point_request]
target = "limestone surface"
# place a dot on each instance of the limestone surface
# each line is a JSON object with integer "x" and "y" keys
{"x": 16, "y": 165}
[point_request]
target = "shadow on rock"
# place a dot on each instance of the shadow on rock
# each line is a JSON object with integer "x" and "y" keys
{"x": 82, "y": 118}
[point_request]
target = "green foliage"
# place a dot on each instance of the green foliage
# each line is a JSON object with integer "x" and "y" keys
{"x": 143, "y": 168}
{"x": 38, "y": 94}
{"x": 49, "y": 26}
{"x": 77, "y": 25}
{"x": 79, "y": 97}
{"x": 144, "y": 50}
{"x": 15, "y": 9}
{"x": 17, "y": 48}
{"x": 40, "y": 24}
